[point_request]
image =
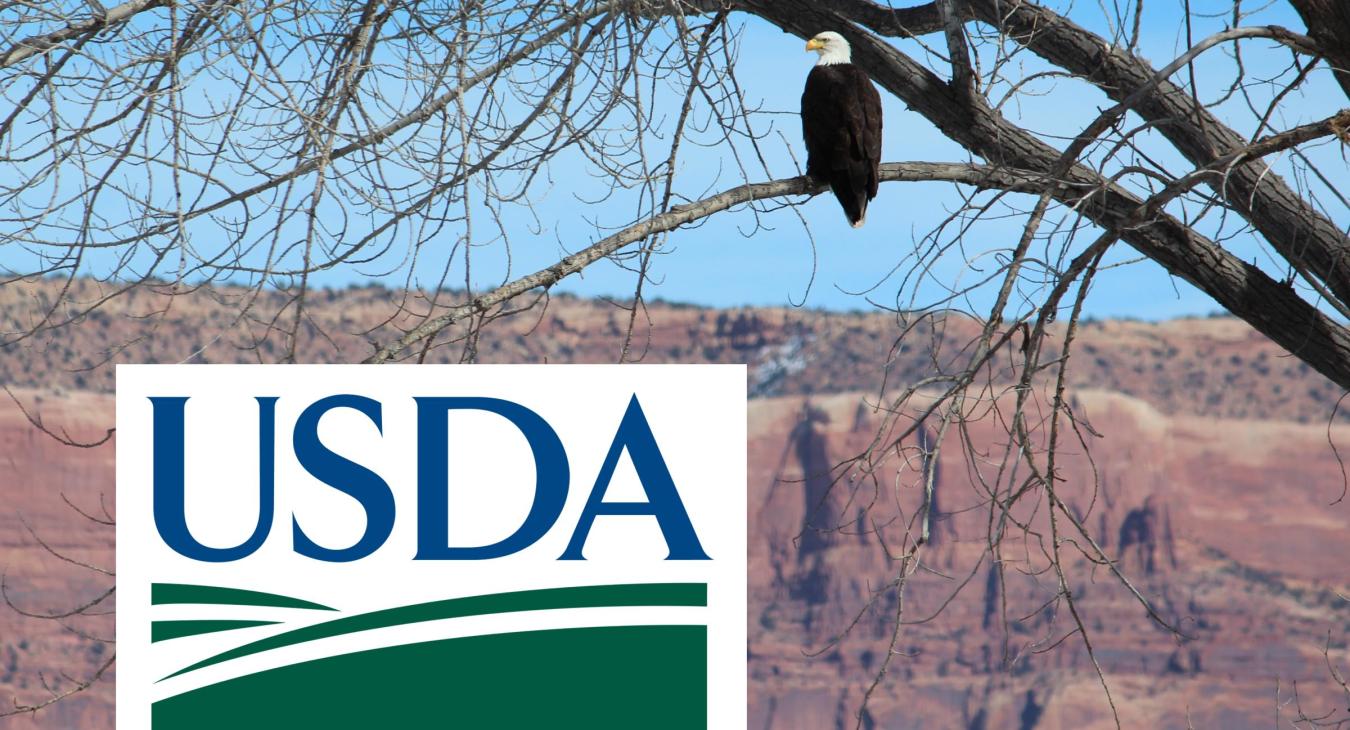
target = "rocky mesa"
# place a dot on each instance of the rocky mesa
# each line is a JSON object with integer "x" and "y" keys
{"x": 1213, "y": 482}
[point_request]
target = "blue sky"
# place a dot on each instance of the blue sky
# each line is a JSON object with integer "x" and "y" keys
{"x": 808, "y": 256}
{"x": 728, "y": 261}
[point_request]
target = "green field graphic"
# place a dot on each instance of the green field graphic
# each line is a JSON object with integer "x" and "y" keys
{"x": 165, "y": 630}
{"x": 168, "y": 593}
{"x": 596, "y": 678}
{"x": 602, "y": 596}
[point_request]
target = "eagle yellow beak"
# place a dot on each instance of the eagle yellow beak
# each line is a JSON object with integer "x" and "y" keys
{"x": 814, "y": 45}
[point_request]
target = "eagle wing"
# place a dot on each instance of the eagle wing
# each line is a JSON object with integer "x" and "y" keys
{"x": 841, "y": 122}
{"x": 866, "y": 130}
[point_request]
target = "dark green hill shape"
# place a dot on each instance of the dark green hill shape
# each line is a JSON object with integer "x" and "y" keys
{"x": 608, "y": 678}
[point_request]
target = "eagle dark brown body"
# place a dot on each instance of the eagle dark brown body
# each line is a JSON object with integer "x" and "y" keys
{"x": 841, "y": 124}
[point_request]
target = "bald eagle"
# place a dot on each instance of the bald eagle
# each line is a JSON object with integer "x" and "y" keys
{"x": 841, "y": 123}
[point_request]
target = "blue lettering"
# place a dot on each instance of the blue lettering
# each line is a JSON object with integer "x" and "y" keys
{"x": 433, "y": 479}
{"x": 663, "y": 501}
{"x": 346, "y": 476}
{"x": 168, "y": 487}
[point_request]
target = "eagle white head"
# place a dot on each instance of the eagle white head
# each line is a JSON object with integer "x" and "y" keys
{"x": 832, "y": 48}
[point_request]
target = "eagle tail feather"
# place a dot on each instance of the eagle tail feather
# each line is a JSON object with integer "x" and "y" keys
{"x": 852, "y": 200}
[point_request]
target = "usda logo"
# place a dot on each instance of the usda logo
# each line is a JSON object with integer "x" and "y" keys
{"x": 431, "y": 547}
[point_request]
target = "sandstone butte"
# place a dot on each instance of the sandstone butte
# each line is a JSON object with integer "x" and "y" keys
{"x": 1216, "y": 489}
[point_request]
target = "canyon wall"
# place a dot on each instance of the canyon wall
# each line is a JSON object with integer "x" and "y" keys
{"x": 1213, "y": 483}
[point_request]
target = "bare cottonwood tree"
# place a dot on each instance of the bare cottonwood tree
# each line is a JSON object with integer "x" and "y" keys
{"x": 167, "y": 145}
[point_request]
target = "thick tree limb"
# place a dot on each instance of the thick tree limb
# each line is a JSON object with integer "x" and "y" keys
{"x": 963, "y": 75}
{"x": 1306, "y": 238}
{"x": 1274, "y": 309}
{"x": 900, "y": 22}
{"x": 1218, "y": 170}
{"x": 1329, "y": 22}
{"x": 1108, "y": 118}
{"x": 1301, "y": 234}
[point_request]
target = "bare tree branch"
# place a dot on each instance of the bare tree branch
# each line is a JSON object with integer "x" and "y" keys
{"x": 1300, "y": 233}
{"x": 680, "y": 215}
{"x": 37, "y": 45}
